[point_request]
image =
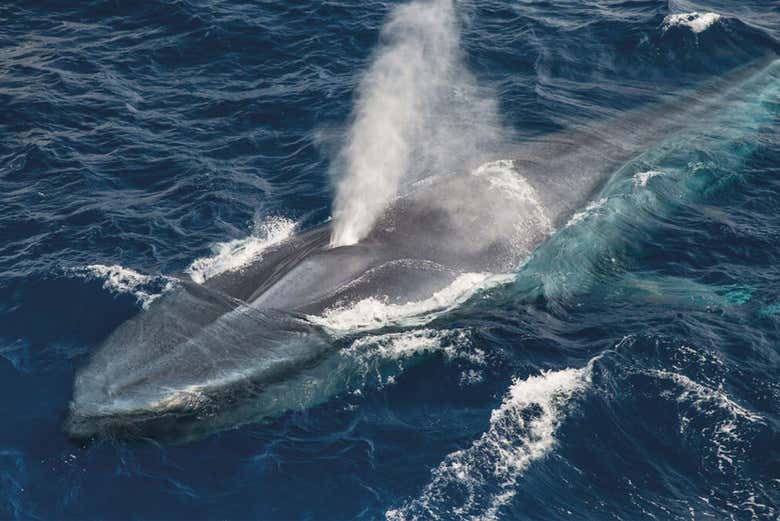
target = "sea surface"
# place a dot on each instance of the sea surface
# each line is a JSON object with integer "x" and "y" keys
{"x": 628, "y": 369}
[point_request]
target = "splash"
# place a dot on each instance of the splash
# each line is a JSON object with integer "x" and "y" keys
{"x": 418, "y": 113}
{"x": 727, "y": 421}
{"x": 485, "y": 475}
{"x": 697, "y": 22}
{"x": 381, "y": 358}
{"x": 373, "y": 313}
{"x": 235, "y": 254}
{"x": 642, "y": 178}
{"x": 592, "y": 209}
{"x": 118, "y": 279}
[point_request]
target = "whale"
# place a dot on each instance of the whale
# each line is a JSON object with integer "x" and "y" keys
{"x": 202, "y": 347}
{"x": 235, "y": 348}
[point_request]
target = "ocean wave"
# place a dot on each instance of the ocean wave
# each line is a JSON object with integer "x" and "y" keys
{"x": 725, "y": 416}
{"x": 235, "y": 254}
{"x": 13, "y": 479}
{"x": 149, "y": 131}
{"x": 118, "y": 279}
{"x": 697, "y": 22}
{"x": 522, "y": 431}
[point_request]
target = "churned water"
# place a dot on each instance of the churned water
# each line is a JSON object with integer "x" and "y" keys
{"x": 627, "y": 369}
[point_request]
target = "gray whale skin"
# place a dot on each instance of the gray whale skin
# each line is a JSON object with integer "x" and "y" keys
{"x": 207, "y": 356}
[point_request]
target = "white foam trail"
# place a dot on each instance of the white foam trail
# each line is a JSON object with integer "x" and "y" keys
{"x": 418, "y": 112}
{"x": 118, "y": 279}
{"x": 485, "y": 475}
{"x": 698, "y": 22}
{"x": 395, "y": 346}
{"x": 375, "y": 312}
{"x": 235, "y": 254}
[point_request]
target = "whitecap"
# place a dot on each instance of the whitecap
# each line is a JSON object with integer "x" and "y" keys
{"x": 522, "y": 430}
{"x": 704, "y": 397}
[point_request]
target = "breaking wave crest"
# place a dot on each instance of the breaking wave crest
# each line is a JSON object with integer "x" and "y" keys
{"x": 228, "y": 256}
{"x": 522, "y": 430}
{"x": 590, "y": 210}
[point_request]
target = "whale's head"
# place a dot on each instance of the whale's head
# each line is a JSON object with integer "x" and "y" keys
{"x": 188, "y": 359}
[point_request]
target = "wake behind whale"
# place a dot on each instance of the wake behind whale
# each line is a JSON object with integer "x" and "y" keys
{"x": 255, "y": 342}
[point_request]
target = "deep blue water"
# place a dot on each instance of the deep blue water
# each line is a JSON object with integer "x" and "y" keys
{"x": 629, "y": 372}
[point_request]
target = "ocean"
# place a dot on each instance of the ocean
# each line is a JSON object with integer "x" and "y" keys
{"x": 627, "y": 367}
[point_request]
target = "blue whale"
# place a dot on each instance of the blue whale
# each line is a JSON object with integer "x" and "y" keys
{"x": 231, "y": 350}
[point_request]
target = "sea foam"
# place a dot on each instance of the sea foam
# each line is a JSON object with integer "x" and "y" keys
{"x": 522, "y": 430}
{"x": 642, "y": 178}
{"x": 235, "y": 254}
{"x": 118, "y": 279}
{"x": 697, "y": 22}
{"x": 377, "y": 312}
{"x": 592, "y": 208}
{"x": 383, "y": 357}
